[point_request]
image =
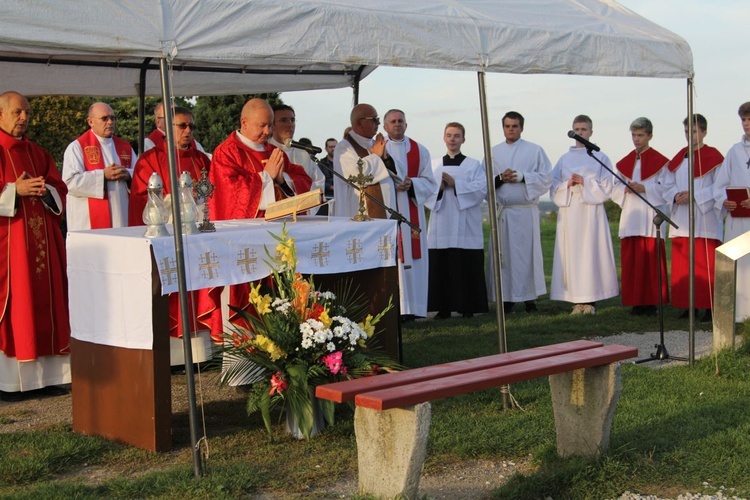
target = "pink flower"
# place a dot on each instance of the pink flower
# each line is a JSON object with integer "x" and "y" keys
{"x": 334, "y": 362}
{"x": 278, "y": 384}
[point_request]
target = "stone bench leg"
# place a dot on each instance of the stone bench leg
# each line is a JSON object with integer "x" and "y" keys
{"x": 391, "y": 448}
{"x": 584, "y": 405}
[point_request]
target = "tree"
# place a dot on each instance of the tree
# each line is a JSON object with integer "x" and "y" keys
{"x": 217, "y": 116}
{"x": 57, "y": 120}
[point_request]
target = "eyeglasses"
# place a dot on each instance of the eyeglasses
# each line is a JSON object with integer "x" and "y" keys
{"x": 375, "y": 119}
{"x": 183, "y": 126}
{"x": 287, "y": 120}
{"x": 108, "y": 118}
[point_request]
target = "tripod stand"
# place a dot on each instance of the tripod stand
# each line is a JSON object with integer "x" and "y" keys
{"x": 660, "y": 217}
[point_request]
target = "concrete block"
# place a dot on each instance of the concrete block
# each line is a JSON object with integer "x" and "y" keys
{"x": 391, "y": 448}
{"x": 584, "y": 404}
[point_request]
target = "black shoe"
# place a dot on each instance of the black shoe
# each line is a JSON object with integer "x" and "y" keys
{"x": 708, "y": 316}
{"x": 53, "y": 390}
{"x": 649, "y": 310}
{"x": 686, "y": 314}
{"x": 637, "y": 311}
{"x": 407, "y": 318}
{"x": 530, "y": 306}
{"x": 443, "y": 315}
{"x": 11, "y": 397}
{"x": 508, "y": 307}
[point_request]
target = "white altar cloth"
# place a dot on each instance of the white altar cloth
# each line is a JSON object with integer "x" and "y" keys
{"x": 109, "y": 270}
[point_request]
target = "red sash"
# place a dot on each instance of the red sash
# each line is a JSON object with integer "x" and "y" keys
{"x": 157, "y": 137}
{"x": 651, "y": 164}
{"x": 99, "y": 214}
{"x": 412, "y": 171}
{"x": 706, "y": 159}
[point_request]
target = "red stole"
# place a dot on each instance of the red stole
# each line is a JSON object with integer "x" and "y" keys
{"x": 651, "y": 163}
{"x": 705, "y": 160}
{"x": 157, "y": 137}
{"x": 99, "y": 214}
{"x": 412, "y": 171}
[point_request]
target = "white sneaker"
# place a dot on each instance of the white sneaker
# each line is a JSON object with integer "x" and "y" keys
{"x": 588, "y": 309}
{"x": 577, "y": 309}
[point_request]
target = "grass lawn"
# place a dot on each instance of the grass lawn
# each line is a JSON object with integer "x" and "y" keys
{"x": 674, "y": 428}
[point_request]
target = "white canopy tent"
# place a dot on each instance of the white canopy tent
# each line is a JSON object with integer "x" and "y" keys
{"x": 213, "y": 47}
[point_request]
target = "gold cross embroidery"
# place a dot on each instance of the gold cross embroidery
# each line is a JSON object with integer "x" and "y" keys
{"x": 321, "y": 253}
{"x": 208, "y": 266}
{"x": 168, "y": 269}
{"x": 385, "y": 248}
{"x": 354, "y": 250}
{"x": 246, "y": 261}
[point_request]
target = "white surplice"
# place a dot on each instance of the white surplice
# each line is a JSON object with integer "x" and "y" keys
{"x": 84, "y": 184}
{"x": 583, "y": 269}
{"x": 637, "y": 218}
{"x": 456, "y": 218}
{"x": 735, "y": 172}
{"x": 521, "y": 257}
{"x": 413, "y": 273}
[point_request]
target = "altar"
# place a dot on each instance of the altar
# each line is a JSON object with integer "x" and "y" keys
{"x": 118, "y": 283}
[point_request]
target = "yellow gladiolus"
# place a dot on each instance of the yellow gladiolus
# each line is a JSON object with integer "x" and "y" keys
{"x": 368, "y": 327}
{"x": 268, "y": 345}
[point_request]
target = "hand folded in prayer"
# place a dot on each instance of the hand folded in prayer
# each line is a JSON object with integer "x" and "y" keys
{"x": 30, "y": 186}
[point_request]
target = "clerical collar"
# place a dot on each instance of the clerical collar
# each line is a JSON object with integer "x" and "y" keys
{"x": 255, "y": 146}
{"x": 397, "y": 141}
{"x": 363, "y": 141}
{"x": 451, "y": 161}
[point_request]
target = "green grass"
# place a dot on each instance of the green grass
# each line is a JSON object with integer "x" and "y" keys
{"x": 674, "y": 428}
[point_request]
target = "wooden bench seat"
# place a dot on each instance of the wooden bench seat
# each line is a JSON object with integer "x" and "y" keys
{"x": 393, "y": 413}
{"x": 344, "y": 392}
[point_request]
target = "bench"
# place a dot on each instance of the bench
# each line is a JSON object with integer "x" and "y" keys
{"x": 392, "y": 414}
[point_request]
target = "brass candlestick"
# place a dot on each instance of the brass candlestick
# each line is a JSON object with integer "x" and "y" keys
{"x": 203, "y": 191}
{"x": 361, "y": 180}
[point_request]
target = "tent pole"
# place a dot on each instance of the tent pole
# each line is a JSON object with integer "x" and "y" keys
{"x": 691, "y": 226}
{"x": 494, "y": 232}
{"x": 180, "y": 255}
{"x": 141, "y": 87}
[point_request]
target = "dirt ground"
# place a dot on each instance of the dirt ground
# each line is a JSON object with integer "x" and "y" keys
{"x": 467, "y": 480}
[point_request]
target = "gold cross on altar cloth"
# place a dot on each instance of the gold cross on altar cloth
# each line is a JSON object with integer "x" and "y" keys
{"x": 169, "y": 271}
{"x": 246, "y": 261}
{"x": 320, "y": 254}
{"x": 385, "y": 247}
{"x": 354, "y": 250}
{"x": 208, "y": 266}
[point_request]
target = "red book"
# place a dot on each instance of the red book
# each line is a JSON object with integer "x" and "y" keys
{"x": 738, "y": 195}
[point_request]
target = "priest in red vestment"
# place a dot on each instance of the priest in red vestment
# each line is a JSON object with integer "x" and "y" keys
{"x": 249, "y": 173}
{"x": 34, "y": 325}
{"x": 155, "y": 160}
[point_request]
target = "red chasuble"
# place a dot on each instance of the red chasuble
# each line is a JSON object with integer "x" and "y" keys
{"x": 652, "y": 162}
{"x": 706, "y": 159}
{"x": 235, "y": 173}
{"x": 156, "y": 160}
{"x": 33, "y": 284}
{"x": 92, "y": 160}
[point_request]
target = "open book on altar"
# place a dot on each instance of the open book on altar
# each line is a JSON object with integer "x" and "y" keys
{"x": 738, "y": 195}
{"x": 295, "y": 204}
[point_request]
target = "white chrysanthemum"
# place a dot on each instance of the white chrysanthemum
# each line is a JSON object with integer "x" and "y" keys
{"x": 331, "y": 346}
{"x": 320, "y": 336}
{"x": 307, "y": 343}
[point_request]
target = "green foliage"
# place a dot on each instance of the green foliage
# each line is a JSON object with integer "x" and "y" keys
{"x": 217, "y": 116}
{"x": 56, "y": 121}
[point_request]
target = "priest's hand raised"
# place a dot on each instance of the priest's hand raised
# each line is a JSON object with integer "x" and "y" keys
{"x": 378, "y": 147}
{"x": 275, "y": 165}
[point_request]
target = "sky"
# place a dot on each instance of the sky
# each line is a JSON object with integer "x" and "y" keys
{"x": 715, "y": 29}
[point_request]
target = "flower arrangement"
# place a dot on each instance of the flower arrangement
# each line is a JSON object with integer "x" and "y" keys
{"x": 299, "y": 338}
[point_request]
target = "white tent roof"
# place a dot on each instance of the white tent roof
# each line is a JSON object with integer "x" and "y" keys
{"x": 317, "y": 44}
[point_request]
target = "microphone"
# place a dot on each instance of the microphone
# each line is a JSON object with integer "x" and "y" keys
{"x": 313, "y": 150}
{"x": 573, "y": 135}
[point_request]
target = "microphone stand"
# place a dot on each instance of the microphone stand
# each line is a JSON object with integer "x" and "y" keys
{"x": 661, "y": 353}
{"x": 394, "y": 213}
